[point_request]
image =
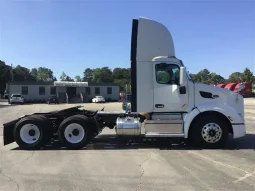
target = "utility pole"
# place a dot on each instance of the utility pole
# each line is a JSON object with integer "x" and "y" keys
{"x": 11, "y": 71}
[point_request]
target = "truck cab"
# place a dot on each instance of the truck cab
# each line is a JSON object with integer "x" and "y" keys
{"x": 176, "y": 106}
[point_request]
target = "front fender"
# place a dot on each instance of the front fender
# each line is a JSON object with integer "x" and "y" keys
{"x": 188, "y": 118}
{"x": 226, "y": 110}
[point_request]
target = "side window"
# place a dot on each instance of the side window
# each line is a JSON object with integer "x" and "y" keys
{"x": 88, "y": 90}
{"x": 97, "y": 90}
{"x": 167, "y": 74}
{"x": 53, "y": 90}
{"x": 109, "y": 90}
{"x": 24, "y": 90}
{"x": 41, "y": 90}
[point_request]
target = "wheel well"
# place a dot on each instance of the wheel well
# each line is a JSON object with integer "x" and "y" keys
{"x": 214, "y": 113}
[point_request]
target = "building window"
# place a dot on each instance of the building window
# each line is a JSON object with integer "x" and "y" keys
{"x": 167, "y": 74}
{"x": 109, "y": 90}
{"x": 88, "y": 90}
{"x": 41, "y": 90}
{"x": 97, "y": 90}
{"x": 24, "y": 90}
{"x": 53, "y": 90}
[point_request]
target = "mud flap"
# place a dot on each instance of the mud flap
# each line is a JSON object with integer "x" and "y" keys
{"x": 8, "y": 132}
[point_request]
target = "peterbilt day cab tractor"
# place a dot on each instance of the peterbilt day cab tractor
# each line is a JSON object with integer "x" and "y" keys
{"x": 165, "y": 103}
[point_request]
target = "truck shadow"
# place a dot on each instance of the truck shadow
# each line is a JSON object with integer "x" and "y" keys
{"x": 103, "y": 143}
{"x": 111, "y": 142}
{"x": 5, "y": 105}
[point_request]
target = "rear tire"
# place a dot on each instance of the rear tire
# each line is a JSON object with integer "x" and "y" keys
{"x": 74, "y": 132}
{"x": 32, "y": 132}
{"x": 209, "y": 132}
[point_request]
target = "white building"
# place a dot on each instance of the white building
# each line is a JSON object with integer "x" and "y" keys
{"x": 74, "y": 92}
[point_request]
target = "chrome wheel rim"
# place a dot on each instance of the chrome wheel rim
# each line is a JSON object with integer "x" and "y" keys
{"x": 211, "y": 132}
{"x": 29, "y": 133}
{"x": 74, "y": 133}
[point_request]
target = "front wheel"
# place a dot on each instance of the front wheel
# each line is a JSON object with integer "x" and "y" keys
{"x": 210, "y": 132}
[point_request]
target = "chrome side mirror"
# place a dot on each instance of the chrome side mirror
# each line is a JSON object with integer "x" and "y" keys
{"x": 183, "y": 76}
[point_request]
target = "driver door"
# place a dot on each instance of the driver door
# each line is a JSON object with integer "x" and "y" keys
{"x": 167, "y": 94}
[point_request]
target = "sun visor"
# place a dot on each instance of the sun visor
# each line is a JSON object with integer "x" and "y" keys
{"x": 153, "y": 39}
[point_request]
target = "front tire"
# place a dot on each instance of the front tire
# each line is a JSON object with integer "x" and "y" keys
{"x": 209, "y": 132}
{"x": 74, "y": 133}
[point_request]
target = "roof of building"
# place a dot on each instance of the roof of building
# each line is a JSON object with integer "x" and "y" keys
{"x": 71, "y": 84}
{"x": 103, "y": 84}
{"x": 30, "y": 83}
{"x": 62, "y": 83}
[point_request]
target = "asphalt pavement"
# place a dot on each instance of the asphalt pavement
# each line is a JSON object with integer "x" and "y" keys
{"x": 109, "y": 164}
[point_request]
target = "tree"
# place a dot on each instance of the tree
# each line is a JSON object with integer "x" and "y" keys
{"x": 235, "y": 77}
{"x": 102, "y": 75}
{"x": 194, "y": 77}
{"x": 88, "y": 75}
{"x": 65, "y": 77}
{"x": 5, "y": 75}
{"x": 122, "y": 76}
{"x": 122, "y": 83}
{"x": 22, "y": 74}
{"x": 33, "y": 72}
{"x": 216, "y": 79}
{"x": 204, "y": 76}
{"x": 45, "y": 74}
{"x": 127, "y": 73}
{"x": 5, "y": 72}
{"x": 117, "y": 73}
{"x": 77, "y": 78}
{"x": 69, "y": 79}
{"x": 247, "y": 76}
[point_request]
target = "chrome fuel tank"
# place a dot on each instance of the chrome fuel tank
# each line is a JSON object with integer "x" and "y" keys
{"x": 128, "y": 126}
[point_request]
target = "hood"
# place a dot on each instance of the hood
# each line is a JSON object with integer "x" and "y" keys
{"x": 205, "y": 94}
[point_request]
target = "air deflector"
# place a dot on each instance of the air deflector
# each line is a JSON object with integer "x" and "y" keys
{"x": 133, "y": 65}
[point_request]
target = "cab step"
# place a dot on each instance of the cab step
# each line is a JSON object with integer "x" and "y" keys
{"x": 164, "y": 135}
{"x": 164, "y": 125}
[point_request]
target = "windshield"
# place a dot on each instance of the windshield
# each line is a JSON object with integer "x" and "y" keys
{"x": 16, "y": 95}
{"x": 190, "y": 79}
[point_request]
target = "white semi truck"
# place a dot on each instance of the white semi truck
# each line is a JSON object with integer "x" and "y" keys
{"x": 165, "y": 103}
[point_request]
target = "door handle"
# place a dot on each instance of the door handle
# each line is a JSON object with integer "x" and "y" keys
{"x": 159, "y": 105}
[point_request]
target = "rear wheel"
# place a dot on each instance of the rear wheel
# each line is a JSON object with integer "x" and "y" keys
{"x": 74, "y": 133}
{"x": 32, "y": 132}
{"x": 210, "y": 132}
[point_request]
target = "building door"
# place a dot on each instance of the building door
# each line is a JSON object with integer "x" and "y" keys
{"x": 71, "y": 91}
